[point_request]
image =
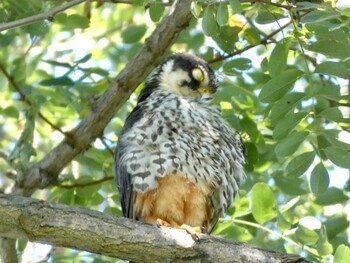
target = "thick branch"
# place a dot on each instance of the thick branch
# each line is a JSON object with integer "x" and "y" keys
{"x": 45, "y": 172}
{"x": 74, "y": 227}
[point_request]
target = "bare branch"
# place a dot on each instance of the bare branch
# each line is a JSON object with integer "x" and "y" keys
{"x": 74, "y": 227}
{"x": 152, "y": 52}
{"x": 99, "y": 181}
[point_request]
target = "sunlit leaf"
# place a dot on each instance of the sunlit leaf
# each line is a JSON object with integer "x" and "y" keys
{"x": 342, "y": 254}
{"x": 323, "y": 246}
{"x": 263, "y": 203}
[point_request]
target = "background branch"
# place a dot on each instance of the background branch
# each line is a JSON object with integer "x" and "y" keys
{"x": 49, "y": 15}
{"x": 74, "y": 227}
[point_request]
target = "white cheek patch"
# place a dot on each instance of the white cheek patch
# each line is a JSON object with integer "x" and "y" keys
{"x": 171, "y": 80}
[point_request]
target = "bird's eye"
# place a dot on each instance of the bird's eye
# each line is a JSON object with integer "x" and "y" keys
{"x": 197, "y": 74}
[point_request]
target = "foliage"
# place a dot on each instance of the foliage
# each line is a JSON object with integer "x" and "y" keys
{"x": 284, "y": 78}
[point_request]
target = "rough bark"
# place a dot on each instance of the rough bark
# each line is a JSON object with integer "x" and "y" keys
{"x": 83, "y": 229}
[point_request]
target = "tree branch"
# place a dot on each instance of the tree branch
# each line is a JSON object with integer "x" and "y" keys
{"x": 152, "y": 52}
{"x": 74, "y": 227}
{"x": 49, "y": 15}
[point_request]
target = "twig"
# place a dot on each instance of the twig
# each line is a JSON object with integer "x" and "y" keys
{"x": 288, "y": 7}
{"x": 102, "y": 139}
{"x": 104, "y": 179}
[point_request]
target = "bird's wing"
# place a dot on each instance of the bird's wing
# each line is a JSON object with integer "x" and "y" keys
{"x": 122, "y": 177}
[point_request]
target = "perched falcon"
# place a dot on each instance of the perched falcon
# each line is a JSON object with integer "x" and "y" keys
{"x": 177, "y": 161}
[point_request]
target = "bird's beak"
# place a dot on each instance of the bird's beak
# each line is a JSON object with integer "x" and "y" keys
{"x": 205, "y": 90}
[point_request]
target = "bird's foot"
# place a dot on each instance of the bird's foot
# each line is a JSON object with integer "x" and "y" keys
{"x": 193, "y": 231}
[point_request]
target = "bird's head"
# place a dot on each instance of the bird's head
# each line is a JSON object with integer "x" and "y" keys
{"x": 186, "y": 75}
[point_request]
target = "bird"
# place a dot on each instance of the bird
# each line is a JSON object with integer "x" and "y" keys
{"x": 177, "y": 162}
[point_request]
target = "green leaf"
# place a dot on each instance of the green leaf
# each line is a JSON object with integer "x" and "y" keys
{"x": 338, "y": 156}
{"x": 225, "y": 37}
{"x": 332, "y": 196}
{"x": 156, "y": 10}
{"x": 298, "y": 166}
{"x": 290, "y": 144}
{"x": 342, "y": 254}
{"x": 287, "y": 124}
{"x": 238, "y": 64}
{"x": 306, "y": 236}
{"x": 10, "y": 112}
{"x": 319, "y": 179}
{"x": 323, "y": 246}
{"x": 323, "y": 31}
{"x": 337, "y": 69}
{"x": 133, "y": 34}
{"x": 236, "y": 6}
{"x": 284, "y": 105}
{"x": 289, "y": 185}
{"x": 263, "y": 203}
{"x": 6, "y": 39}
{"x": 252, "y": 36}
{"x": 209, "y": 24}
{"x": 222, "y": 14}
{"x": 278, "y": 86}
{"x": 278, "y": 58}
{"x": 282, "y": 223}
{"x": 265, "y": 17}
{"x": 60, "y": 81}
{"x": 337, "y": 114}
{"x": 337, "y": 50}
{"x": 84, "y": 59}
{"x": 305, "y": 232}
{"x": 72, "y": 21}
{"x": 336, "y": 225}
{"x": 317, "y": 16}
{"x": 286, "y": 207}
